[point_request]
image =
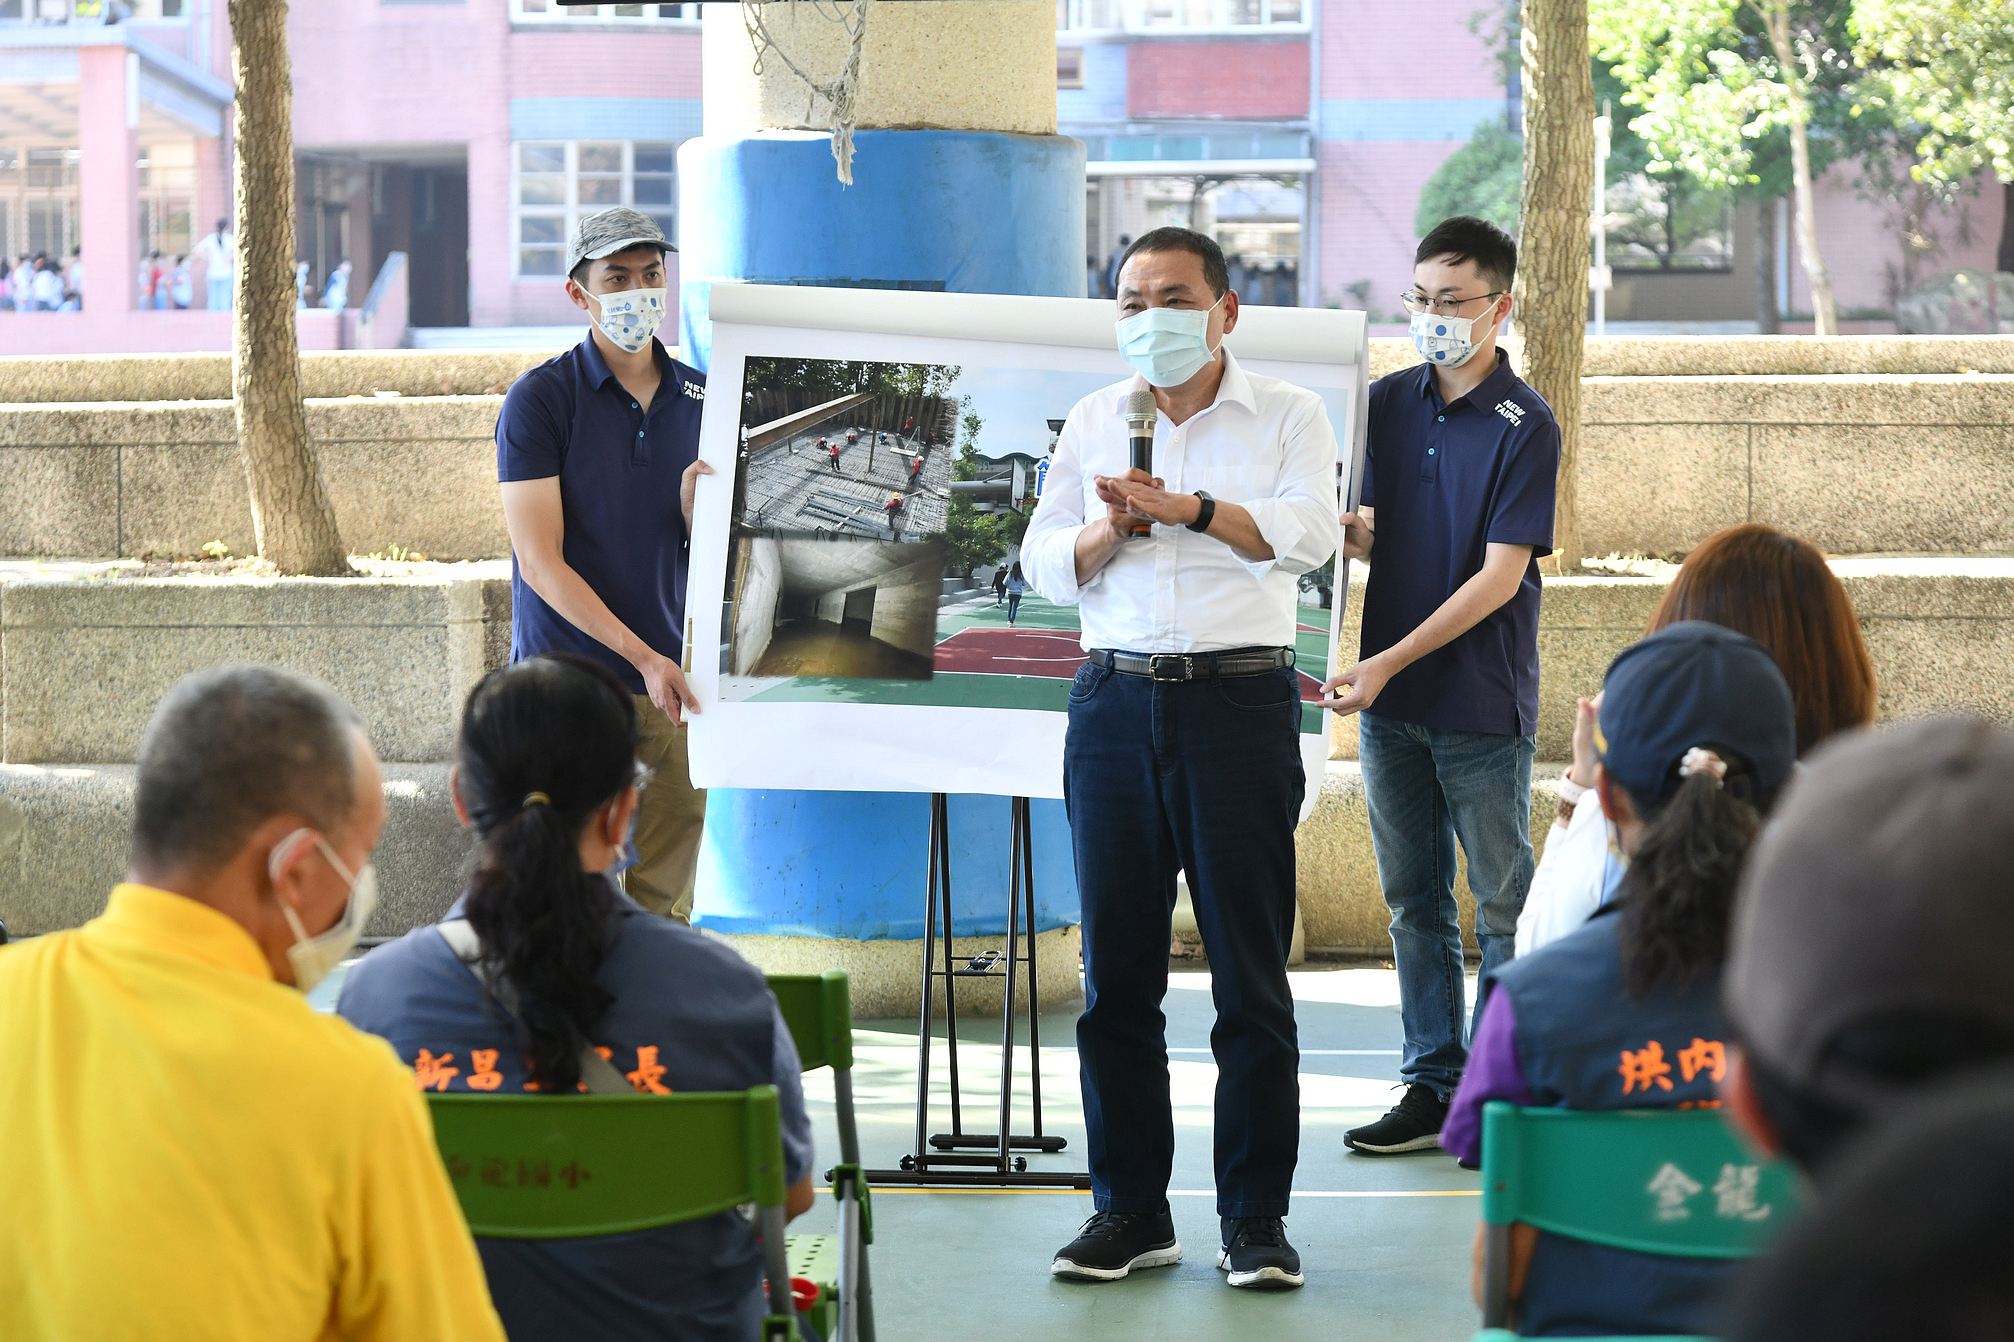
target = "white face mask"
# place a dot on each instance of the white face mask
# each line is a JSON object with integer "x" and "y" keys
{"x": 629, "y": 317}
{"x": 1446, "y": 342}
{"x": 313, "y": 958}
{"x": 1167, "y": 346}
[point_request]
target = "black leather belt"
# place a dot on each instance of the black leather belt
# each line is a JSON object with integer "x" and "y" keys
{"x": 1179, "y": 666}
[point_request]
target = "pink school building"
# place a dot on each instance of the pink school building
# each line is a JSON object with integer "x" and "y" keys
{"x": 445, "y": 146}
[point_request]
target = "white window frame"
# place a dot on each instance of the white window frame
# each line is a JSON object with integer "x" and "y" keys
{"x": 569, "y": 209}
{"x": 1133, "y": 18}
{"x": 591, "y": 16}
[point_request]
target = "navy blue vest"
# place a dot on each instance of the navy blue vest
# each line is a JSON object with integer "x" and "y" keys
{"x": 1583, "y": 1043}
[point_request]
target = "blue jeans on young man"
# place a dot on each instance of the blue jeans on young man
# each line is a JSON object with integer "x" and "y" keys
{"x": 1202, "y": 776}
{"x": 1427, "y": 787}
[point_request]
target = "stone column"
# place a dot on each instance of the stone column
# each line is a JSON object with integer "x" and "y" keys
{"x": 960, "y": 183}
{"x": 108, "y": 177}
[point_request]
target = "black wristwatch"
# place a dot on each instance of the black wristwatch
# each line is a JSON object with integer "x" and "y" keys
{"x": 1202, "y": 522}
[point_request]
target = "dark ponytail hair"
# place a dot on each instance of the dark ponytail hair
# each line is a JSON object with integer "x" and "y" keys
{"x": 1677, "y": 897}
{"x": 544, "y": 745}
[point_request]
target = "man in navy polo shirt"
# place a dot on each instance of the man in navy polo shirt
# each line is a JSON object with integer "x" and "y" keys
{"x": 597, "y": 455}
{"x": 1458, "y": 501}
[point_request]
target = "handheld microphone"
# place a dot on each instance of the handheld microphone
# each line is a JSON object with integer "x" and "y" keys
{"x": 1141, "y": 416}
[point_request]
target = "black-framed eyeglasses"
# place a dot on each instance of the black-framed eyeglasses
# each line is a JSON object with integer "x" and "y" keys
{"x": 1415, "y": 301}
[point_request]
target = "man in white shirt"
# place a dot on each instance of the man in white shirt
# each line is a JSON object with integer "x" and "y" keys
{"x": 1183, "y": 748}
{"x": 219, "y": 255}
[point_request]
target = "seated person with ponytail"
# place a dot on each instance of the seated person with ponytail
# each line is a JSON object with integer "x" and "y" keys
{"x": 591, "y": 993}
{"x": 1696, "y": 735}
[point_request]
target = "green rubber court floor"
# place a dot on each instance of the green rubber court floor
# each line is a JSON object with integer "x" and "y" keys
{"x": 1384, "y": 1242}
{"x": 984, "y": 662}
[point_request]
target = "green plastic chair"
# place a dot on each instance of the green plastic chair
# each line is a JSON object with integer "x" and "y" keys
{"x": 818, "y": 1008}
{"x": 1655, "y": 1181}
{"x": 575, "y": 1166}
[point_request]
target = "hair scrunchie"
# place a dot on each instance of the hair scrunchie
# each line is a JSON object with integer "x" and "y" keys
{"x": 1700, "y": 760}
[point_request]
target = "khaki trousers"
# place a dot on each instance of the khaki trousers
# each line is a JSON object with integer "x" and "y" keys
{"x": 669, "y": 819}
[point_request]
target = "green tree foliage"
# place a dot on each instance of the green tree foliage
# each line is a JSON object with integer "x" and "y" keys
{"x": 1942, "y": 73}
{"x": 1945, "y": 69}
{"x": 1482, "y": 178}
{"x": 971, "y": 538}
{"x": 828, "y": 378}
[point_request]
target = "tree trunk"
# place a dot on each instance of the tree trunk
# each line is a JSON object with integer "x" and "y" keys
{"x": 1552, "y": 278}
{"x": 2005, "y": 258}
{"x": 1824, "y": 312}
{"x": 1766, "y": 317}
{"x": 291, "y": 517}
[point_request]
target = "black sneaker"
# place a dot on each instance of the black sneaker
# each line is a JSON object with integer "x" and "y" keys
{"x": 1257, "y": 1255}
{"x": 1112, "y": 1244}
{"x": 1414, "y": 1124}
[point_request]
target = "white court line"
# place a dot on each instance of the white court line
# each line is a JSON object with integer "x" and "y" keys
{"x": 1298, "y": 1193}
{"x": 1314, "y": 1052}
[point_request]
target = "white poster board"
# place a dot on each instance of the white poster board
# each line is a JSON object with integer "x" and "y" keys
{"x": 818, "y": 640}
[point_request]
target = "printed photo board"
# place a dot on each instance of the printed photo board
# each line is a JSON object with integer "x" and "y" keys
{"x": 870, "y": 449}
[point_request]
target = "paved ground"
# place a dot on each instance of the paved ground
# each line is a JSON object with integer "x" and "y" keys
{"x": 1385, "y": 1243}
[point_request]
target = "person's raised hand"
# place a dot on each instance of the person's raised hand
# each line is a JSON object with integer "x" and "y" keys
{"x": 1111, "y": 492}
{"x": 668, "y": 688}
{"x": 1581, "y": 771}
{"x": 1147, "y": 496}
{"x": 1358, "y": 536}
{"x": 688, "y": 489}
{"x": 1366, "y": 680}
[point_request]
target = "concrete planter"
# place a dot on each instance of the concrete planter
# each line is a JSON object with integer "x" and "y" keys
{"x": 82, "y": 662}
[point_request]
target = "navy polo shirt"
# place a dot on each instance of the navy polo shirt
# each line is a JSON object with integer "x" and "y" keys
{"x": 618, "y": 467}
{"x": 686, "y": 1013}
{"x": 1447, "y": 480}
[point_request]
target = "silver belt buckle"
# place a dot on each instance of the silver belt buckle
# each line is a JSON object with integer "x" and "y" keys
{"x": 1187, "y": 663}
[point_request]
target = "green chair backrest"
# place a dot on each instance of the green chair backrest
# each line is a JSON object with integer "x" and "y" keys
{"x": 1649, "y": 1180}
{"x": 818, "y": 1008}
{"x": 565, "y": 1167}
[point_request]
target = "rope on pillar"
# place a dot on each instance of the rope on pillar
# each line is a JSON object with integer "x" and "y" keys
{"x": 840, "y": 92}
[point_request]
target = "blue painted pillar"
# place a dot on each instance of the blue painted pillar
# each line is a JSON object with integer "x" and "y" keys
{"x": 959, "y": 211}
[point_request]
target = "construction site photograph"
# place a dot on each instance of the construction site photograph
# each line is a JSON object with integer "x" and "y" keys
{"x": 846, "y": 447}
{"x": 830, "y": 606}
{"x": 877, "y": 519}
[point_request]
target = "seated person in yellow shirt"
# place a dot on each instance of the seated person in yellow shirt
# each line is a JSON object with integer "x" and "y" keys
{"x": 192, "y": 1151}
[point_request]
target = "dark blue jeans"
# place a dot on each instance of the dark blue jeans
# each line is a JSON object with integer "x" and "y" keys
{"x": 1204, "y": 777}
{"x": 1426, "y": 787}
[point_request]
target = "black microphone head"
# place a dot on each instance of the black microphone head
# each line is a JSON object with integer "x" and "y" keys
{"x": 1140, "y": 408}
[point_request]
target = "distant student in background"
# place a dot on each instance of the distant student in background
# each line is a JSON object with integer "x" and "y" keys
{"x": 1000, "y": 586}
{"x": 182, "y": 287}
{"x": 1016, "y": 586}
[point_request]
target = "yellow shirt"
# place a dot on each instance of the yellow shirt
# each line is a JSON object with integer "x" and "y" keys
{"x": 188, "y": 1150}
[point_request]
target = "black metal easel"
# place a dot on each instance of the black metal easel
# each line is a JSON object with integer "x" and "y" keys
{"x": 935, "y": 1160}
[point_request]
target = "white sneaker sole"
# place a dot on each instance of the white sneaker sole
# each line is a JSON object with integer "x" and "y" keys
{"x": 1063, "y": 1267}
{"x": 1430, "y": 1142}
{"x": 1264, "y": 1279}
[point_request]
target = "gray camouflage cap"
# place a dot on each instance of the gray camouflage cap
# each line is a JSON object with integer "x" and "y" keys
{"x": 611, "y": 231}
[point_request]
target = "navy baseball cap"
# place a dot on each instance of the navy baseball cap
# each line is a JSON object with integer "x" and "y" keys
{"x": 1694, "y": 684}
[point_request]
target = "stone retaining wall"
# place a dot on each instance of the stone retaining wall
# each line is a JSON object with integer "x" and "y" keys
{"x": 207, "y": 377}
{"x": 1860, "y": 463}
{"x": 82, "y": 663}
{"x": 1941, "y": 632}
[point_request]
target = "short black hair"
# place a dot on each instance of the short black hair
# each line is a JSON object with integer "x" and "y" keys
{"x": 231, "y": 747}
{"x": 1467, "y": 238}
{"x": 1172, "y": 239}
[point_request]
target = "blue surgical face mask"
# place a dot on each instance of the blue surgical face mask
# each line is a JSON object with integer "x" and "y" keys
{"x": 1167, "y": 346}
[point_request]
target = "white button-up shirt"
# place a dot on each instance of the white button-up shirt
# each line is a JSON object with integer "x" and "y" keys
{"x": 1263, "y": 444}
